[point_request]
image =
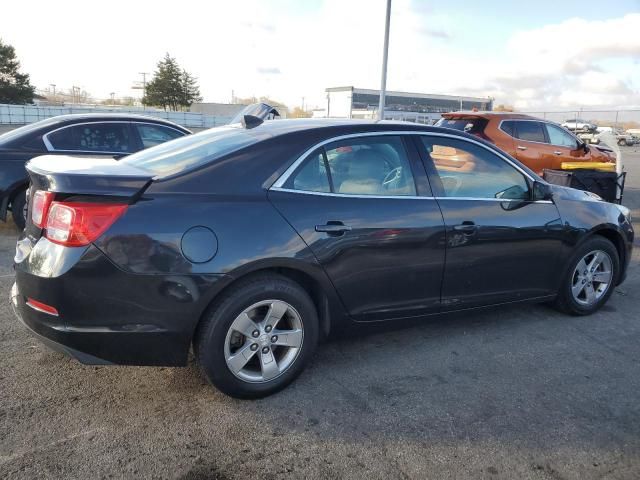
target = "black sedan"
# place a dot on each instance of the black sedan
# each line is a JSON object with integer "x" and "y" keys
{"x": 253, "y": 241}
{"x": 99, "y": 134}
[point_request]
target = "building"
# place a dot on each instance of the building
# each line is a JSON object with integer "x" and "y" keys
{"x": 351, "y": 102}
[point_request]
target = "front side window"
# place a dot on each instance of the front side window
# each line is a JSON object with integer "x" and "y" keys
{"x": 559, "y": 136}
{"x": 357, "y": 166}
{"x": 470, "y": 171}
{"x": 152, "y": 135}
{"x": 530, "y": 132}
{"x": 92, "y": 137}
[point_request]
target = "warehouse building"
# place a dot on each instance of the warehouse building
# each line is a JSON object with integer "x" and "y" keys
{"x": 352, "y": 102}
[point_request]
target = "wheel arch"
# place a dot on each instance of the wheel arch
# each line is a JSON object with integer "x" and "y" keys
{"x": 312, "y": 280}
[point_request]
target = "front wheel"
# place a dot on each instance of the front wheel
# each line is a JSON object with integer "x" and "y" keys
{"x": 258, "y": 337}
{"x": 590, "y": 279}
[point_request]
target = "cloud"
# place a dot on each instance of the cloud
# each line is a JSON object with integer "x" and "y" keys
{"x": 435, "y": 33}
{"x": 268, "y": 70}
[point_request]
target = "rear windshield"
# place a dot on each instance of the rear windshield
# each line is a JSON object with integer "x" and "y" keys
{"x": 469, "y": 125}
{"x": 192, "y": 151}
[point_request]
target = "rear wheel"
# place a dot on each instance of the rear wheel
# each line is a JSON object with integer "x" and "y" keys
{"x": 258, "y": 337}
{"x": 590, "y": 279}
{"x": 19, "y": 209}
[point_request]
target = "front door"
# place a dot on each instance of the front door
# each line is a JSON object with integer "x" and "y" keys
{"x": 502, "y": 245}
{"x": 358, "y": 203}
{"x": 532, "y": 148}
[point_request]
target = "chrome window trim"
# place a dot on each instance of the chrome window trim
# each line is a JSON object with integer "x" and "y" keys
{"x": 50, "y": 148}
{"x": 477, "y": 199}
{"x": 282, "y": 179}
{"x": 546, "y": 122}
{"x": 347, "y": 195}
{"x": 407, "y": 197}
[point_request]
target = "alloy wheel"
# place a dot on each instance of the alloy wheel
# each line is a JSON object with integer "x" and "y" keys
{"x": 263, "y": 341}
{"x": 592, "y": 277}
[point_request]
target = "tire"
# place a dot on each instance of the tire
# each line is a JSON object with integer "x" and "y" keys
{"x": 18, "y": 209}
{"x": 622, "y": 142}
{"x": 575, "y": 279}
{"x": 219, "y": 343}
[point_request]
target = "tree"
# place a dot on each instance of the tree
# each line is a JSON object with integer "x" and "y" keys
{"x": 190, "y": 89}
{"x": 15, "y": 87}
{"x": 171, "y": 87}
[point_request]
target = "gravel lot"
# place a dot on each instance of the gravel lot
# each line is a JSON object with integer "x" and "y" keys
{"x": 519, "y": 392}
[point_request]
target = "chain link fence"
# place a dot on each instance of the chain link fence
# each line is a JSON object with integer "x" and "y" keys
{"x": 23, "y": 114}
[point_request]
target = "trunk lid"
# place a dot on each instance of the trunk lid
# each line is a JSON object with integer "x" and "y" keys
{"x": 87, "y": 179}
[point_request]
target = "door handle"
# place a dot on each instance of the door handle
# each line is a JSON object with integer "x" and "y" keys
{"x": 520, "y": 147}
{"x": 557, "y": 152}
{"x": 466, "y": 227}
{"x": 333, "y": 228}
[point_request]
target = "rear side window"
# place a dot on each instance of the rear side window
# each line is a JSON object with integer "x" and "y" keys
{"x": 152, "y": 135}
{"x": 192, "y": 151}
{"x": 530, "y": 131}
{"x": 470, "y": 125}
{"x": 357, "y": 166}
{"x": 110, "y": 137}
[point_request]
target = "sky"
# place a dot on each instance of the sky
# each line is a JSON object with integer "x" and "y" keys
{"x": 542, "y": 55}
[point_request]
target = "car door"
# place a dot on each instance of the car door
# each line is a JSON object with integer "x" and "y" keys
{"x": 363, "y": 205}
{"x": 502, "y": 243}
{"x": 531, "y": 144}
{"x": 110, "y": 138}
{"x": 565, "y": 146}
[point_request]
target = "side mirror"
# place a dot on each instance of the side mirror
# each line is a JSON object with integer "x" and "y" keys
{"x": 542, "y": 191}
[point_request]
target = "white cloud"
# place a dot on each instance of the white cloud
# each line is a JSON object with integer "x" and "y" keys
{"x": 286, "y": 49}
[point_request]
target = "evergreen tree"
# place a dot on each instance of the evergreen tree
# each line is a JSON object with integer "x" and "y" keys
{"x": 15, "y": 87}
{"x": 171, "y": 86}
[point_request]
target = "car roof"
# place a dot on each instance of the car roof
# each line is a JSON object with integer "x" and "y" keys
{"x": 488, "y": 115}
{"x": 274, "y": 128}
{"x": 111, "y": 116}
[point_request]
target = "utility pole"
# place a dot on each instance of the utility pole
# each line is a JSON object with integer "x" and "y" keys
{"x": 54, "y": 89}
{"x": 385, "y": 54}
{"x": 144, "y": 85}
{"x": 303, "y": 104}
{"x": 112, "y": 94}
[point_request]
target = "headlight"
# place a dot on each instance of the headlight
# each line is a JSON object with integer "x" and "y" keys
{"x": 624, "y": 211}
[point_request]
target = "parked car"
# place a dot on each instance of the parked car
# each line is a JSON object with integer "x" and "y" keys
{"x": 102, "y": 135}
{"x": 251, "y": 244}
{"x": 621, "y": 136}
{"x": 537, "y": 143}
{"x": 579, "y": 125}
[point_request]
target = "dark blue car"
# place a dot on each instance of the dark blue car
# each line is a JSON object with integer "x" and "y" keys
{"x": 251, "y": 242}
{"x": 96, "y": 134}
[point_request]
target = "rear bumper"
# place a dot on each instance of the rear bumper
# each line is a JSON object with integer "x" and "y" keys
{"x": 108, "y": 316}
{"x": 45, "y": 333}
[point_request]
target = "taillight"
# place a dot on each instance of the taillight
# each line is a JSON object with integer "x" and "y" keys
{"x": 39, "y": 207}
{"x": 42, "y": 307}
{"x": 77, "y": 224}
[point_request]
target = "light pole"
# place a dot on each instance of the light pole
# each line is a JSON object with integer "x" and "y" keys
{"x": 385, "y": 54}
{"x": 144, "y": 86}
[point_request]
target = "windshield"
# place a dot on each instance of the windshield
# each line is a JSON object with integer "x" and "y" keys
{"x": 8, "y": 137}
{"x": 192, "y": 151}
{"x": 469, "y": 125}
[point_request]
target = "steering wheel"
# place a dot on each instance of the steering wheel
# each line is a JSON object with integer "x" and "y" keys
{"x": 393, "y": 176}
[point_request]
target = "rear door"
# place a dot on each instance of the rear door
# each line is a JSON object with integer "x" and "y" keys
{"x": 363, "y": 205}
{"x": 502, "y": 245}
